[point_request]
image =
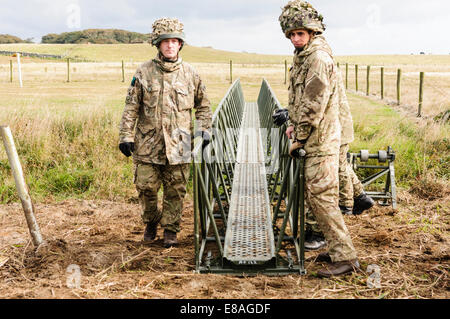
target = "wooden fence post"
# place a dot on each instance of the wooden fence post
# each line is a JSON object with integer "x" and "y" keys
{"x": 356, "y": 77}
{"x": 123, "y": 72}
{"x": 68, "y": 69}
{"x": 21, "y": 186}
{"x": 10, "y": 71}
{"x": 368, "y": 81}
{"x": 399, "y": 77}
{"x": 422, "y": 75}
{"x": 346, "y": 76}
{"x": 231, "y": 71}
{"x": 382, "y": 82}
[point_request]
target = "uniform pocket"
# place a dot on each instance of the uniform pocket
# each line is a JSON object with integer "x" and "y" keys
{"x": 151, "y": 96}
{"x": 184, "y": 99}
{"x": 148, "y": 113}
{"x": 144, "y": 141}
{"x": 322, "y": 131}
{"x": 297, "y": 90}
{"x": 145, "y": 125}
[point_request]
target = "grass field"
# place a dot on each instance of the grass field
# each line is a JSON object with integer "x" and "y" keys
{"x": 62, "y": 127}
{"x": 67, "y": 136}
{"x": 139, "y": 52}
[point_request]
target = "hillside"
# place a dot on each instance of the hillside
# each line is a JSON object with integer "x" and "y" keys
{"x": 141, "y": 52}
{"x": 7, "y": 38}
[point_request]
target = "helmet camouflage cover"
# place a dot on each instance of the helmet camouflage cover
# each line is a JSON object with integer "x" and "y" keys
{"x": 167, "y": 28}
{"x": 298, "y": 14}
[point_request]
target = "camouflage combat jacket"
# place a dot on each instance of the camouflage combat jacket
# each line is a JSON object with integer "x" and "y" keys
{"x": 314, "y": 99}
{"x": 158, "y": 112}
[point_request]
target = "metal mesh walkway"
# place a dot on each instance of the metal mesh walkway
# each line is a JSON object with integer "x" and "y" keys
{"x": 249, "y": 237}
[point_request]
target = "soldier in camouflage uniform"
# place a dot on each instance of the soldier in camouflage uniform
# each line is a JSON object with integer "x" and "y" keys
{"x": 314, "y": 113}
{"x": 352, "y": 198}
{"x": 156, "y": 128}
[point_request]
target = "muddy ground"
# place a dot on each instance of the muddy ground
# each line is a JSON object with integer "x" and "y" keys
{"x": 410, "y": 246}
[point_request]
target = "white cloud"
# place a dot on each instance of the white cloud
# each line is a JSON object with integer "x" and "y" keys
{"x": 353, "y": 27}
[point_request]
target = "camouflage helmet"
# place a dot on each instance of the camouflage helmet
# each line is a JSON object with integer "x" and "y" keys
{"x": 298, "y": 14}
{"x": 167, "y": 28}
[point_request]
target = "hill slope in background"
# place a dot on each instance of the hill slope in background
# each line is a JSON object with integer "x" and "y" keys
{"x": 96, "y": 36}
{"x": 142, "y": 52}
{"x": 7, "y": 38}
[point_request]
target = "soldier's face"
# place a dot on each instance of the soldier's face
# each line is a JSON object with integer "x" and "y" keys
{"x": 300, "y": 38}
{"x": 170, "y": 48}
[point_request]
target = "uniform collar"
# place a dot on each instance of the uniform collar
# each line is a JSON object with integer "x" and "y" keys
{"x": 317, "y": 43}
{"x": 167, "y": 66}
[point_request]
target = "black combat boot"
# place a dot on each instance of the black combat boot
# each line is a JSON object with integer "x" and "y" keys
{"x": 362, "y": 203}
{"x": 150, "y": 231}
{"x": 170, "y": 238}
{"x": 323, "y": 257}
{"x": 346, "y": 210}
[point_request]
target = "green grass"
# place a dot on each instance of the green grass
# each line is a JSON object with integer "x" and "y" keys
{"x": 420, "y": 149}
{"x": 75, "y": 155}
{"x": 141, "y": 52}
{"x": 67, "y": 133}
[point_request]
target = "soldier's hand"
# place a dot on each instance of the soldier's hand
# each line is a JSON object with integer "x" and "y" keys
{"x": 126, "y": 148}
{"x": 295, "y": 149}
{"x": 280, "y": 117}
{"x": 289, "y": 132}
{"x": 205, "y": 136}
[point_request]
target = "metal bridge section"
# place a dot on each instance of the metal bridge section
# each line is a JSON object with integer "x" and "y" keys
{"x": 238, "y": 228}
{"x": 249, "y": 193}
{"x": 249, "y": 235}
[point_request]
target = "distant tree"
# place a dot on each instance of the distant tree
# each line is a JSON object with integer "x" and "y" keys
{"x": 7, "y": 38}
{"x": 49, "y": 38}
{"x": 99, "y": 36}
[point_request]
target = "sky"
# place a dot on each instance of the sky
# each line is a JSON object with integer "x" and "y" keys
{"x": 354, "y": 27}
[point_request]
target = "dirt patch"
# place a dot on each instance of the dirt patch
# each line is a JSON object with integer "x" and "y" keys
{"x": 104, "y": 239}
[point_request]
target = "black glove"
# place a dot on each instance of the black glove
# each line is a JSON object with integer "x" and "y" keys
{"x": 280, "y": 117}
{"x": 205, "y": 136}
{"x": 126, "y": 148}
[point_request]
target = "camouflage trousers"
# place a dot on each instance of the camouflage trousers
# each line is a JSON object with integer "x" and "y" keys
{"x": 321, "y": 194}
{"x": 349, "y": 188}
{"x": 349, "y": 184}
{"x": 148, "y": 179}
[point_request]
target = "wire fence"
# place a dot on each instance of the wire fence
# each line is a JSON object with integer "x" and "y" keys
{"x": 427, "y": 93}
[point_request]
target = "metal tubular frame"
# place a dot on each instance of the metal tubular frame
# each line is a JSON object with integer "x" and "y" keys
{"x": 386, "y": 167}
{"x": 285, "y": 182}
{"x": 212, "y": 188}
{"x": 213, "y": 169}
